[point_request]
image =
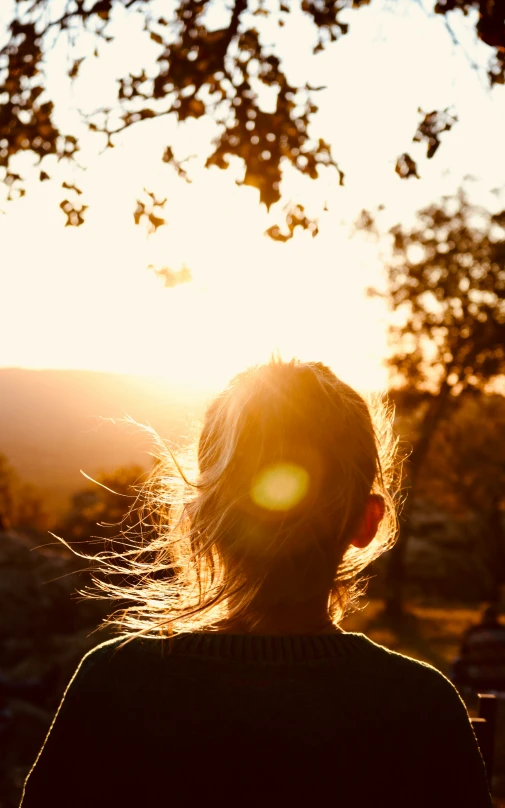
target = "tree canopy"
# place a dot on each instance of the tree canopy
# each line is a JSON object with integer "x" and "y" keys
{"x": 465, "y": 472}
{"x": 446, "y": 286}
{"x": 446, "y": 292}
{"x": 465, "y": 466}
{"x": 97, "y": 511}
{"x": 202, "y": 68}
{"x": 21, "y": 504}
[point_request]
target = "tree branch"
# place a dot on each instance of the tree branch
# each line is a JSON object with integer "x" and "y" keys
{"x": 83, "y": 15}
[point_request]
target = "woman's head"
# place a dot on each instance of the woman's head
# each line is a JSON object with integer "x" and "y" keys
{"x": 295, "y": 474}
{"x": 288, "y": 458}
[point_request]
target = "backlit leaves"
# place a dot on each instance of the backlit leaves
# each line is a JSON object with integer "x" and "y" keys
{"x": 496, "y": 73}
{"x": 74, "y": 70}
{"x": 197, "y": 71}
{"x": 149, "y": 211}
{"x": 325, "y": 15}
{"x": 491, "y": 21}
{"x": 71, "y": 187}
{"x": 25, "y": 120}
{"x": 169, "y": 157}
{"x": 296, "y": 217}
{"x": 466, "y": 463}
{"x": 406, "y": 167}
{"x": 429, "y": 130}
{"x": 13, "y": 183}
{"x": 73, "y": 212}
{"x": 447, "y": 280}
{"x": 432, "y": 126}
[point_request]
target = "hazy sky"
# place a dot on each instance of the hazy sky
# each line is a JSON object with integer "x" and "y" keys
{"x": 83, "y": 298}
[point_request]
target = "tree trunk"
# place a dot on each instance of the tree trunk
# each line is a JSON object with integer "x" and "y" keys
{"x": 395, "y": 570}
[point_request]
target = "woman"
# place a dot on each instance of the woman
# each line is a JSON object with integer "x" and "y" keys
{"x": 232, "y": 683}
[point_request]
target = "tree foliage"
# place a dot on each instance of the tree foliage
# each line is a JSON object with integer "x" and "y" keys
{"x": 97, "y": 511}
{"x": 446, "y": 291}
{"x": 464, "y": 471}
{"x": 200, "y": 70}
{"x": 8, "y": 481}
{"x": 21, "y": 504}
{"x": 465, "y": 466}
{"x": 446, "y": 284}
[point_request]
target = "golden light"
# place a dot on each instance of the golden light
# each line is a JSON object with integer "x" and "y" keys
{"x": 94, "y": 305}
{"x": 84, "y": 299}
{"x": 280, "y": 487}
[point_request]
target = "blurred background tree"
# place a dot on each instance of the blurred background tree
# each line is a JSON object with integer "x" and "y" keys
{"x": 8, "y": 482}
{"x": 211, "y": 61}
{"x": 446, "y": 291}
{"x": 97, "y": 512}
{"x": 21, "y": 505}
{"x": 464, "y": 472}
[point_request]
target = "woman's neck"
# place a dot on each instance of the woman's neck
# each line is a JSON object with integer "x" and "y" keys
{"x": 274, "y": 631}
{"x": 305, "y": 618}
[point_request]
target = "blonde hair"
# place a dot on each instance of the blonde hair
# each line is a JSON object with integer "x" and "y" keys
{"x": 206, "y": 550}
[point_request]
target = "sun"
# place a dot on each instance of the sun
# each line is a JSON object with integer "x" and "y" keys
{"x": 84, "y": 298}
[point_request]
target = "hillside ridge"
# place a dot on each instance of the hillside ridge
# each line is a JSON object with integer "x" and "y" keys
{"x": 55, "y": 422}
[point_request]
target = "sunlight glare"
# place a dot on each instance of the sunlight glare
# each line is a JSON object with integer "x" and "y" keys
{"x": 280, "y": 487}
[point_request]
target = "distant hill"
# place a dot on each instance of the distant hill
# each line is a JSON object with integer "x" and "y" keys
{"x": 51, "y": 427}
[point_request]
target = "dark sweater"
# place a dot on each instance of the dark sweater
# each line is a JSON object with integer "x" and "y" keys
{"x": 229, "y": 720}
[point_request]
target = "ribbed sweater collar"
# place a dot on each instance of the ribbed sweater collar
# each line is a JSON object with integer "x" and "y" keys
{"x": 271, "y": 649}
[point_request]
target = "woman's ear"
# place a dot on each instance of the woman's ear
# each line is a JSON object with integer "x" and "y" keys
{"x": 374, "y": 512}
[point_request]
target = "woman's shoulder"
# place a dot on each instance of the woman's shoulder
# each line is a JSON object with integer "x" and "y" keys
{"x": 115, "y": 661}
{"x": 123, "y": 650}
{"x": 387, "y": 664}
{"x": 368, "y": 660}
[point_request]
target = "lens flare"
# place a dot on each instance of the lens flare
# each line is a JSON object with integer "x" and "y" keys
{"x": 280, "y": 487}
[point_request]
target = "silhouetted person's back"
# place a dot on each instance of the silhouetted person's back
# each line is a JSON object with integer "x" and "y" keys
{"x": 480, "y": 664}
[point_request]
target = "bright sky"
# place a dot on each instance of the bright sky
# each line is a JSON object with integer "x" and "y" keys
{"x": 83, "y": 298}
